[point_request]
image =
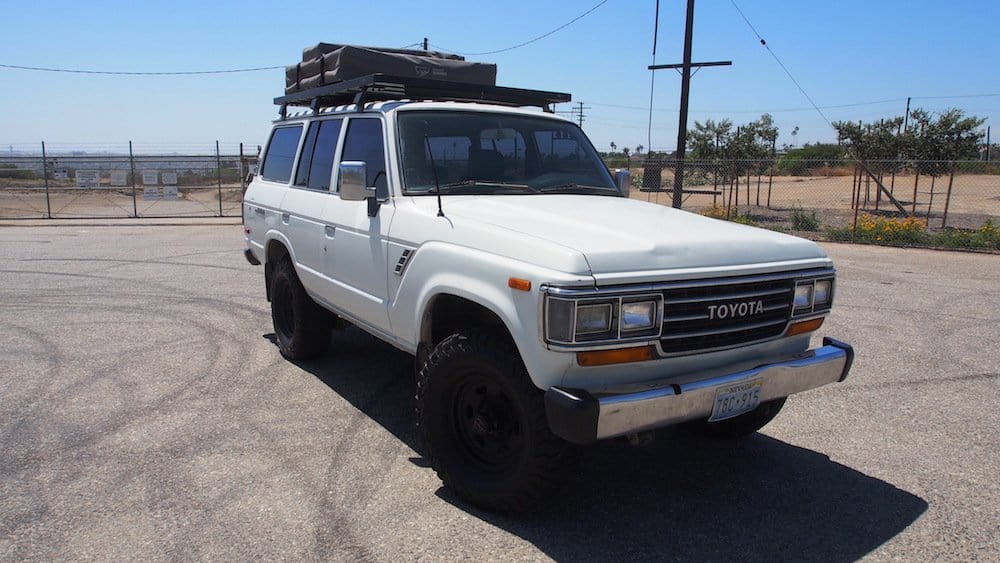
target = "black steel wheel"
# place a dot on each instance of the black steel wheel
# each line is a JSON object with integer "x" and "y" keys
{"x": 301, "y": 327}
{"x": 486, "y": 423}
{"x": 483, "y": 423}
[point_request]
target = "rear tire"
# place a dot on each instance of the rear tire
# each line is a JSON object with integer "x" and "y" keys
{"x": 739, "y": 426}
{"x": 301, "y": 326}
{"x": 483, "y": 423}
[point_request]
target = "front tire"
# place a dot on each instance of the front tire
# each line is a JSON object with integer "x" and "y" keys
{"x": 483, "y": 423}
{"x": 301, "y": 326}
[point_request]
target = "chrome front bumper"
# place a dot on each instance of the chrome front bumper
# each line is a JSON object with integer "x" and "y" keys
{"x": 578, "y": 416}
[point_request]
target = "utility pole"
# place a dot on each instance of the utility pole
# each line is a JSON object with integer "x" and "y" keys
{"x": 578, "y": 110}
{"x": 906, "y": 120}
{"x": 685, "y": 70}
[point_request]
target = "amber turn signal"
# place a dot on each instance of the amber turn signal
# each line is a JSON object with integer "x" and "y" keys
{"x": 616, "y": 356}
{"x": 803, "y": 327}
{"x": 519, "y": 284}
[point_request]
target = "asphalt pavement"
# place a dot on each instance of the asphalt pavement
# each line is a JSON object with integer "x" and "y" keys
{"x": 145, "y": 413}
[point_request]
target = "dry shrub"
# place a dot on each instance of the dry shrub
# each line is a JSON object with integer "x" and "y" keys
{"x": 833, "y": 171}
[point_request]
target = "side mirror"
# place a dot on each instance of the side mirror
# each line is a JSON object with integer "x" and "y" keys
{"x": 353, "y": 176}
{"x": 624, "y": 180}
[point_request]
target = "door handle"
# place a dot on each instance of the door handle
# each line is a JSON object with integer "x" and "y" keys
{"x": 330, "y": 231}
{"x": 258, "y": 211}
{"x": 284, "y": 218}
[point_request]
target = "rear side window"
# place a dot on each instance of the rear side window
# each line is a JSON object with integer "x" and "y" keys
{"x": 322, "y": 160}
{"x": 281, "y": 154}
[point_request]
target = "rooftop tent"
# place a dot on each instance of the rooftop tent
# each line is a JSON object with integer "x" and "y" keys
{"x": 326, "y": 63}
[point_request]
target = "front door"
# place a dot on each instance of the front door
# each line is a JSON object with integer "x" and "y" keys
{"x": 357, "y": 264}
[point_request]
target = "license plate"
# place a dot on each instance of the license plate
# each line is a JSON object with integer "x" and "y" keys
{"x": 734, "y": 400}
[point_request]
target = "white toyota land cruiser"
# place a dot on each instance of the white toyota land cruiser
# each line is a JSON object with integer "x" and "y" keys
{"x": 544, "y": 308}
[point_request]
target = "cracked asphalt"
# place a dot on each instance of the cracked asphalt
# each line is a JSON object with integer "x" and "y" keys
{"x": 145, "y": 413}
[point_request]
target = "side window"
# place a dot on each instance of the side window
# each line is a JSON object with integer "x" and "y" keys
{"x": 322, "y": 161}
{"x": 316, "y": 161}
{"x": 302, "y": 172}
{"x": 281, "y": 154}
{"x": 364, "y": 143}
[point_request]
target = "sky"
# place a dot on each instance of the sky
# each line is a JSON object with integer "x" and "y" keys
{"x": 856, "y": 59}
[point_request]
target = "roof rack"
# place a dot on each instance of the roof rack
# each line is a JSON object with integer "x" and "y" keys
{"x": 380, "y": 87}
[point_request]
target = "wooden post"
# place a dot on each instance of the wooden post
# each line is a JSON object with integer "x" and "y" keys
{"x": 930, "y": 204}
{"x": 947, "y": 197}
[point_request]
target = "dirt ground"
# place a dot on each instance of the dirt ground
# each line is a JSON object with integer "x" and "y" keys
{"x": 974, "y": 198}
{"x": 202, "y": 201}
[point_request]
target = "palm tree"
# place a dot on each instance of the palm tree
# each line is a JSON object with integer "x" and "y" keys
{"x": 613, "y": 146}
{"x": 638, "y": 149}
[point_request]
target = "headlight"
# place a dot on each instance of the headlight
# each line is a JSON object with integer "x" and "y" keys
{"x": 804, "y": 295}
{"x": 823, "y": 293}
{"x": 812, "y": 296}
{"x": 638, "y": 316}
{"x": 589, "y": 319}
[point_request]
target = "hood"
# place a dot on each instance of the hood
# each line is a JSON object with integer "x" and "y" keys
{"x": 635, "y": 240}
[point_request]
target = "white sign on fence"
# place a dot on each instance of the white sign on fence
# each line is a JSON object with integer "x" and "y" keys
{"x": 169, "y": 191}
{"x": 150, "y": 192}
{"x": 150, "y": 177}
{"x": 119, "y": 177}
{"x": 88, "y": 178}
{"x": 169, "y": 178}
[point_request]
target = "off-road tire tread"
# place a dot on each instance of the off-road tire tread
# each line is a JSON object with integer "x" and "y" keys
{"x": 551, "y": 455}
{"x": 312, "y": 322}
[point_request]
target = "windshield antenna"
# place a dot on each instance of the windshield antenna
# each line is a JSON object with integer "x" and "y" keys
{"x": 437, "y": 184}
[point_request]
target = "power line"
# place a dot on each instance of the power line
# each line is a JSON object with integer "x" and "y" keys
{"x": 125, "y": 73}
{"x": 871, "y": 103}
{"x": 781, "y": 64}
{"x": 530, "y": 41}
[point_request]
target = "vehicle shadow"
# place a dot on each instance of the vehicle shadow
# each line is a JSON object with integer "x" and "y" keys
{"x": 680, "y": 498}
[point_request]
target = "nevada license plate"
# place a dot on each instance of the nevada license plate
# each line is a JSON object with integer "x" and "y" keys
{"x": 734, "y": 400}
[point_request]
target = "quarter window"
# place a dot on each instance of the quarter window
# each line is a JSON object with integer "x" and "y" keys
{"x": 281, "y": 154}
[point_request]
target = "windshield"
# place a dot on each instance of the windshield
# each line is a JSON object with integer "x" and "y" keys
{"x": 494, "y": 153}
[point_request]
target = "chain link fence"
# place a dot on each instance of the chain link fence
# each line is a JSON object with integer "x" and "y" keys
{"x": 950, "y": 204}
{"x": 71, "y": 186}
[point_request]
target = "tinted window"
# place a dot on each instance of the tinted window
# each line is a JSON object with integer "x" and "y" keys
{"x": 302, "y": 172}
{"x": 316, "y": 161}
{"x": 281, "y": 154}
{"x": 322, "y": 160}
{"x": 364, "y": 143}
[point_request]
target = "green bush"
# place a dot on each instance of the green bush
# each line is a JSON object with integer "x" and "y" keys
{"x": 803, "y": 161}
{"x": 15, "y": 173}
{"x": 911, "y": 232}
{"x": 802, "y": 221}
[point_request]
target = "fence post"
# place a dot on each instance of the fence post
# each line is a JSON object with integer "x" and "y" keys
{"x": 243, "y": 184}
{"x": 218, "y": 174}
{"x": 947, "y": 198}
{"x": 45, "y": 175}
{"x": 131, "y": 166}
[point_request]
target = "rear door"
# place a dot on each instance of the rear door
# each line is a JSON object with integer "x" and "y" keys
{"x": 303, "y": 204}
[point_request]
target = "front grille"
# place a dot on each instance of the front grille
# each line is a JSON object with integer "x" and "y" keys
{"x": 730, "y": 313}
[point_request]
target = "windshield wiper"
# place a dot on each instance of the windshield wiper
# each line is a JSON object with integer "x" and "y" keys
{"x": 491, "y": 187}
{"x": 575, "y": 188}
